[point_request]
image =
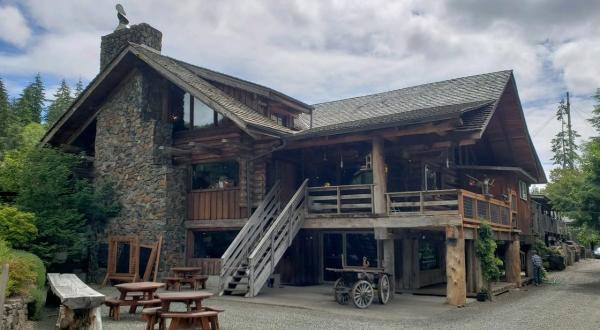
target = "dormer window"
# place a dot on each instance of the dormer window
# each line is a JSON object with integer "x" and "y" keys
{"x": 279, "y": 119}
{"x": 197, "y": 115}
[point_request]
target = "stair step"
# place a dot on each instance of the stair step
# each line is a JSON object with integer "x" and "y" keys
{"x": 236, "y": 277}
{"x": 232, "y": 284}
{"x": 235, "y": 291}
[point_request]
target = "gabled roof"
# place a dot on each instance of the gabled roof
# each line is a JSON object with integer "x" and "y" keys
{"x": 445, "y": 98}
{"x": 178, "y": 73}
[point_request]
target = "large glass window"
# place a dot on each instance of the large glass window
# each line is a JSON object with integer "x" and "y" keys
{"x": 523, "y": 190}
{"x": 196, "y": 114}
{"x": 212, "y": 244}
{"x": 215, "y": 175}
{"x": 429, "y": 252}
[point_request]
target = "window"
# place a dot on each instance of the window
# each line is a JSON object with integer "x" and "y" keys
{"x": 279, "y": 119}
{"x": 215, "y": 175}
{"x": 212, "y": 244}
{"x": 523, "y": 190}
{"x": 429, "y": 251}
{"x": 196, "y": 114}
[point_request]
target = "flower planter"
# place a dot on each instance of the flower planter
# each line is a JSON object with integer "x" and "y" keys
{"x": 482, "y": 296}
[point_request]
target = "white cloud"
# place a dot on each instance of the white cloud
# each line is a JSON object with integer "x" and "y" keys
{"x": 579, "y": 60}
{"x": 13, "y": 27}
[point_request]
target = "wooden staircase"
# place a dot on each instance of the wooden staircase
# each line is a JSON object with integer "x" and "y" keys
{"x": 253, "y": 255}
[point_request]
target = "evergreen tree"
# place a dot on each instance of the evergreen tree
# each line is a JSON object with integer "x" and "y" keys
{"x": 62, "y": 101}
{"x": 30, "y": 103}
{"x": 595, "y": 120}
{"x": 565, "y": 152}
{"x": 6, "y": 117}
{"x": 78, "y": 87}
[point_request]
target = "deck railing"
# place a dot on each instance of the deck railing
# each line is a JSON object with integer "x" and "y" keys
{"x": 212, "y": 204}
{"x": 341, "y": 199}
{"x": 470, "y": 205}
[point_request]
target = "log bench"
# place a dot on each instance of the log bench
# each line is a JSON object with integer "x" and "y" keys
{"x": 80, "y": 304}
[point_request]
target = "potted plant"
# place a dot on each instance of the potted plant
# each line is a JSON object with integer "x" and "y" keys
{"x": 485, "y": 249}
{"x": 482, "y": 295}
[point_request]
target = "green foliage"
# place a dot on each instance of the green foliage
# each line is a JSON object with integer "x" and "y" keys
{"x": 16, "y": 228}
{"x": 62, "y": 101}
{"x": 586, "y": 235}
{"x": 30, "y": 137}
{"x": 30, "y": 104}
{"x": 595, "y": 120}
{"x": 485, "y": 248}
{"x": 563, "y": 145}
{"x": 21, "y": 274}
{"x": 544, "y": 274}
{"x": 36, "y": 265}
{"x": 540, "y": 247}
{"x": 78, "y": 87}
{"x": 36, "y": 304}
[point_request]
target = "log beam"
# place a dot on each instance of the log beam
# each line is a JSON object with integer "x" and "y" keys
{"x": 456, "y": 271}
{"x": 379, "y": 180}
{"x": 513, "y": 262}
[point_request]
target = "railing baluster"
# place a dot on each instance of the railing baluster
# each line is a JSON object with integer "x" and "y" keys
{"x": 339, "y": 200}
{"x": 421, "y": 201}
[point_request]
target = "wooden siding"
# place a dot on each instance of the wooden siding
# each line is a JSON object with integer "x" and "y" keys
{"x": 210, "y": 266}
{"x": 214, "y": 204}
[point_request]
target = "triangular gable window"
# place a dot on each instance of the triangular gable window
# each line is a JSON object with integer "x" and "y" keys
{"x": 197, "y": 115}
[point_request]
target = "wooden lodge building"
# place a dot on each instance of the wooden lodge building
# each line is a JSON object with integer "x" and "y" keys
{"x": 236, "y": 175}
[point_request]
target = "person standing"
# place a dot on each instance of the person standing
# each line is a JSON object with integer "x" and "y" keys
{"x": 537, "y": 268}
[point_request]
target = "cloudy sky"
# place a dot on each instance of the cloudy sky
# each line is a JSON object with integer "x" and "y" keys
{"x": 325, "y": 50}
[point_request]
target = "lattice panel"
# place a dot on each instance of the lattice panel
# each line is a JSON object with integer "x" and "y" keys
{"x": 482, "y": 210}
{"x": 468, "y": 209}
{"x": 505, "y": 215}
{"x": 495, "y": 213}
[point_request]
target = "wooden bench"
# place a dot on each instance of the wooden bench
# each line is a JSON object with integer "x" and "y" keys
{"x": 152, "y": 317}
{"x": 174, "y": 282}
{"x": 214, "y": 320}
{"x": 182, "y": 320}
{"x": 80, "y": 304}
{"x": 194, "y": 282}
{"x": 114, "y": 308}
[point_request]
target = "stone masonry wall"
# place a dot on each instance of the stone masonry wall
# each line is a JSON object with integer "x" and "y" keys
{"x": 15, "y": 314}
{"x": 151, "y": 189}
{"x": 142, "y": 34}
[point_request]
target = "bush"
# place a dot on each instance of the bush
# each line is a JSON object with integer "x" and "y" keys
{"x": 25, "y": 271}
{"x": 16, "y": 228}
{"x": 38, "y": 299}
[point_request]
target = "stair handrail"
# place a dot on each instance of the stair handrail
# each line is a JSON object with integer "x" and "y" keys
{"x": 291, "y": 219}
{"x": 241, "y": 246}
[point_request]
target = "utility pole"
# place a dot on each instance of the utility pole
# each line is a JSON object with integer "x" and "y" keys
{"x": 571, "y": 150}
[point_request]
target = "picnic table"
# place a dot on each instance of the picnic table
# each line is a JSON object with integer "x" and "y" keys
{"x": 186, "y": 275}
{"x": 134, "y": 295}
{"x": 195, "y": 316}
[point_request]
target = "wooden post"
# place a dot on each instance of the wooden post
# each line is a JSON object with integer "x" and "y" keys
{"x": 455, "y": 270}
{"x": 379, "y": 181}
{"x": 529, "y": 263}
{"x": 513, "y": 262}
{"x": 388, "y": 262}
{"x": 3, "y": 283}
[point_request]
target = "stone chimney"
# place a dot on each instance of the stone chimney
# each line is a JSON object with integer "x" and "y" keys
{"x": 114, "y": 43}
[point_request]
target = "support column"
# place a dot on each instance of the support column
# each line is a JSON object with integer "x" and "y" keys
{"x": 455, "y": 267}
{"x": 388, "y": 262}
{"x": 474, "y": 279}
{"x": 513, "y": 262}
{"x": 410, "y": 262}
{"x": 378, "y": 165}
{"x": 529, "y": 263}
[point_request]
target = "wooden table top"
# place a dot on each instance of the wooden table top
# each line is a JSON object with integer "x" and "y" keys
{"x": 186, "y": 269}
{"x": 139, "y": 286}
{"x": 179, "y": 296}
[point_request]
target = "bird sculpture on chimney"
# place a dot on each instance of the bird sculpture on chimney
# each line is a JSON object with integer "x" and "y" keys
{"x": 123, "y": 21}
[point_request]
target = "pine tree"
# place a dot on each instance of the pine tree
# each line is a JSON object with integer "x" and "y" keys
{"x": 62, "y": 101}
{"x": 30, "y": 103}
{"x": 78, "y": 87}
{"x": 5, "y": 113}
{"x": 565, "y": 152}
{"x": 595, "y": 120}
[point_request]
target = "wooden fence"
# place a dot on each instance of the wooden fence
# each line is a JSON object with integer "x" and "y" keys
{"x": 214, "y": 204}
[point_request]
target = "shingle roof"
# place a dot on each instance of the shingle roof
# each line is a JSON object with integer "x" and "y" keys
{"x": 236, "y": 108}
{"x": 455, "y": 96}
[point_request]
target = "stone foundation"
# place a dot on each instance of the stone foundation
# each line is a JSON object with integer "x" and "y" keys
{"x": 15, "y": 314}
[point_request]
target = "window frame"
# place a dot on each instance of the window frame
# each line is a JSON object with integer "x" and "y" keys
{"x": 523, "y": 191}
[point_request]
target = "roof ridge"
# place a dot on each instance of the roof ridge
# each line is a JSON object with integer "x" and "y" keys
{"x": 414, "y": 86}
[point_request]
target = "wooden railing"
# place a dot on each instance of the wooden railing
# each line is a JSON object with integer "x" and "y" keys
{"x": 423, "y": 202}
{"x": 275, "y": 242}
{"x": 249, "y": 236}
{"x": 341, "y": 199}
{"x": 470, "y": 205}
{"x": 214, "y": 204}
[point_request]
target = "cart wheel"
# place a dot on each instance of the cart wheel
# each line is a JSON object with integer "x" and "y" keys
{"x": 383, "y": 287}
{"x": 341, "y": 292}
{"x": 362, "y": 294}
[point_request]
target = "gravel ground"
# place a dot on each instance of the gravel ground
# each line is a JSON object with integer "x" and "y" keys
{"x": 571, "y": 303}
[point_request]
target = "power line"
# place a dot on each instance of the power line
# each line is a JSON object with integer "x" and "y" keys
{"x": 541, "y": 128}
{"x": 581, "y": 116}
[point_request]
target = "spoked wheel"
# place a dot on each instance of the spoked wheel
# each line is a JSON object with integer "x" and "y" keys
{"x": 362, "y": 294}
{"x": 341, "y": 292}
{"x": 383, "y": 287}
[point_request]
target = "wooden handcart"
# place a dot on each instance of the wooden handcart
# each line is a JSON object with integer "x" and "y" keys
{"x": 359, "y": 284}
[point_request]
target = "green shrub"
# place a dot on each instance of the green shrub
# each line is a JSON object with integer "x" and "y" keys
{"x": 544, "y": 274}
{"x": 16, "y": 228}
{"x": 25, "y": 271}
{"x": 38, "y": 299}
